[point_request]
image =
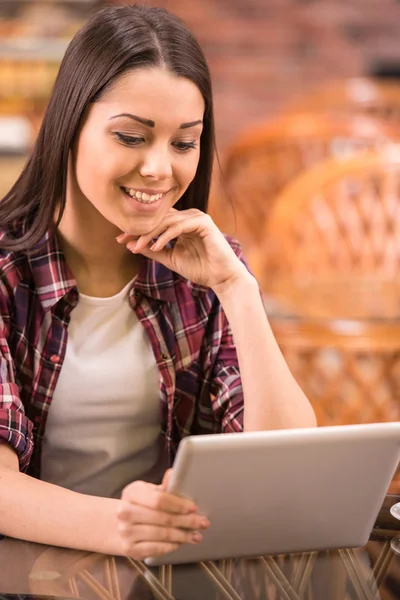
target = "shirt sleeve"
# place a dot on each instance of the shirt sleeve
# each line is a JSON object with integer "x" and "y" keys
{"x": 226, "y": 385}
{"x": 15, "y": 427}
{"x": 226, "y": 382}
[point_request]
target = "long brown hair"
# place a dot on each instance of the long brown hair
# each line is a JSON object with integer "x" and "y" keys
{"x": 114, "y": 41}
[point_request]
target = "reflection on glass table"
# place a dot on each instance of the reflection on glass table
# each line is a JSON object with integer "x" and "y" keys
{"x": 369, "y": 573}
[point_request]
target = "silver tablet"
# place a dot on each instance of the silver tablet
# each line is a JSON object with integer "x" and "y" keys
{"x": 284, "y": 491}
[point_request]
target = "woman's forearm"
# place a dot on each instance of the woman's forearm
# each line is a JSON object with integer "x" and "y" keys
{"x": 272, "y": 398}
{"x": 40, "y": 512}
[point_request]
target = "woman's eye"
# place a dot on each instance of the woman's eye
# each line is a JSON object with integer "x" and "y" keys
{"x": 185, "y": 146}
{"x": 129, "y": 140}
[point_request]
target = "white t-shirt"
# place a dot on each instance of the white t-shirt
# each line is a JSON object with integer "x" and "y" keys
{"x": 103, "y": 426}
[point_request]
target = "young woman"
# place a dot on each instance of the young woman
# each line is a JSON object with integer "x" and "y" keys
{"x": 125, "y": 313}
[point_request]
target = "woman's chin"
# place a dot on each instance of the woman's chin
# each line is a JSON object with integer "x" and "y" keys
{"x": 136, "y": 230}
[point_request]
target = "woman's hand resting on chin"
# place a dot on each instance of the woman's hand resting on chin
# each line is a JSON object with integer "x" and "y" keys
{"x": 201, "y": 253}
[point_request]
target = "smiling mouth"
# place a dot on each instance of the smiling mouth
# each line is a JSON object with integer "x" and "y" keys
{"x": 142, "y": 197}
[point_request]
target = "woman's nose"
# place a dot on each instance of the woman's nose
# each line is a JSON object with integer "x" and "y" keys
{"x": 156, "y": 164}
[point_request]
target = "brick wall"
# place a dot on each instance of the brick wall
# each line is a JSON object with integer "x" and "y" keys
{"x": 264, "y": 53}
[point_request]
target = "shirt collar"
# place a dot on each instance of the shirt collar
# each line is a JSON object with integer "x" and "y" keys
{"x": 52, "y": 276}
{"x": 54, "y": 279}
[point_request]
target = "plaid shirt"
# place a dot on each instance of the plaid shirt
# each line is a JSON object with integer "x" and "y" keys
{"x": 200, "y": 386}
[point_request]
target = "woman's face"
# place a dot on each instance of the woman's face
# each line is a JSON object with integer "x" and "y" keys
{"x": 139, "y": 148}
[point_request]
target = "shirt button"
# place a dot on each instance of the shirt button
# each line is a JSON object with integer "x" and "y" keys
{"x": 164, "y": 356}
{"x": 137, "y": 293}
{"x": 54, "y": 358}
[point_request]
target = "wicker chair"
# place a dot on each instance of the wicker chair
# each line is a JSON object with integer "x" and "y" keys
{"x": 341, "y": 217}
{"x": 330, "y": 262}
{"x": 263, "y": 161}
{"x": 348, "y": 369}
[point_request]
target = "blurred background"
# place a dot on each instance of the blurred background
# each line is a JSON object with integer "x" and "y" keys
{"x": 307, "y": 101}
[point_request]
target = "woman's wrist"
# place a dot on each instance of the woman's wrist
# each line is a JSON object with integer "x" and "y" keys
{"x": 239, "y": 283}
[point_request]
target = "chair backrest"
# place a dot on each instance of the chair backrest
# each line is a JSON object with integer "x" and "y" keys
{"x": 350, "y": 374}
{"x": 342, "y": 216}
{"x": 348, "y": 370}
{"x": 262, "y": 161}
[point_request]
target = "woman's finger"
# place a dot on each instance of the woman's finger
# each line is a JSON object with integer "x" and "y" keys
{"x": 171, "y": 233}
{"x": 166, "y": 478}
{"x": 189, "y": 221}
{"x": 124, "y": 238}
{"x": 137, "y": 244}
{"x": 133, "y": 514}
{"x": 156, "y": 533}
{"x": 153, "y": 496}
{"x": 144, "y": 240}
{"x": 146, "y": 549}
{"x": 169, "y": 219}
{"x": 185, "y": 226}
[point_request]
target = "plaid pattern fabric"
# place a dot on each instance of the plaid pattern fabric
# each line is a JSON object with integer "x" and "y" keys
{"x": 200, "y": 385}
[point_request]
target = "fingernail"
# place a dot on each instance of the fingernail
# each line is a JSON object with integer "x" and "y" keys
{"x": 131, "y": 246}
{"x": 197, "y": 537}
{"x": 193, "y": 509}
{"x": 152, "y": 247}
{"x": 205, "y": 523}
{"x": 119, "y": 237}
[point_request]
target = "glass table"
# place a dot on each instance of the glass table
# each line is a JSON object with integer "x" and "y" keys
{"x": 366, "y": 573}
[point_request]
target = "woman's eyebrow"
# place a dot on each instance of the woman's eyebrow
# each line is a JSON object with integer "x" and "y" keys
{"x": 147, "y": 122}
{"x": 192, "y": 124}
{"x": 150, "y": 123}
